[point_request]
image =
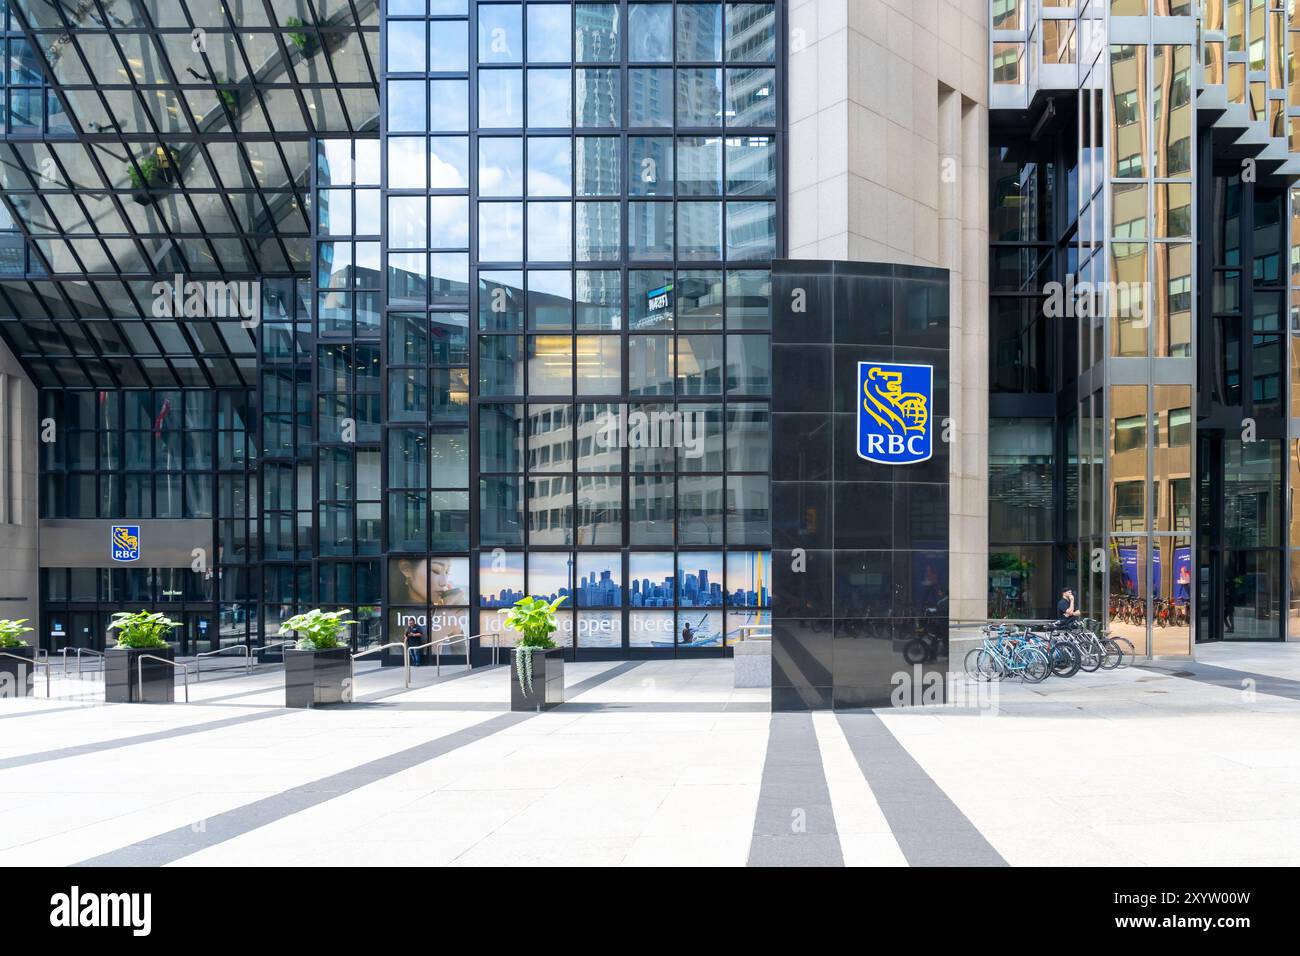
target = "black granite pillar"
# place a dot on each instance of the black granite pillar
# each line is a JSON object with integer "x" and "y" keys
{"x": 860, "y": 548}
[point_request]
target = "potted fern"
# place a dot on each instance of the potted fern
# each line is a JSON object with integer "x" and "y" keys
{"x": 319, "y": 669}
{"x": 538, "y": 662}
{"x": 15, "y": 674}
{"x": 140, "y": 634}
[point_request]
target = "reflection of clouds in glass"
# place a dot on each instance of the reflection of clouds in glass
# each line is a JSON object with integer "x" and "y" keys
{"x": 450, "y": 102}
{"x": 500, "y": 166}
{"x": 406, "y": 222}
{"x": 548, "y": 34}
{"x": 405, "y": 47}
{"x": 499, "y": 99}
{"x": 449, "y": 221}
{"x": 550, "y": 282}
{"x": 406, "y": 162}
{"x": 549, "y": 167}
{"x": 548, "y": 98}
{"x": 335, "y": 161}
{"x": 543, "y": 183}
{"x": 549, "y": 230}
{"x": 495, "y": 181}
{"x": 448, "y": 162}
{"x": 500, "y": 232}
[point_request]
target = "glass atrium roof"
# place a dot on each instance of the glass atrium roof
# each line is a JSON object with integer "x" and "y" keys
{"x": 175, "y": 139}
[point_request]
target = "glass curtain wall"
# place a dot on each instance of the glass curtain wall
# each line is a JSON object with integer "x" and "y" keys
{"x": 580, "y": 214}
{"x": 1030, "y": 360}
{"x": 161, "y": 144}
{"x": 1140, "y": 215}
{"x": 1243, "y": 428}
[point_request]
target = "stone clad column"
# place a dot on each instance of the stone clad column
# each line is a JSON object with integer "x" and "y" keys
{"x": 860, "y": 547}
{"x": 888, "y": 163}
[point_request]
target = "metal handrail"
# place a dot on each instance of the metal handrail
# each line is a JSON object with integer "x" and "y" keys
{"x": 761, "y": 632}
{"x": 406, "y": 661}
{"x": 89, "y": 650}
{"x": 281, "y": 644}
{"x": 34, "y": 662}
{"x": 139, "y": 668}
{"x": 198, "y": 658}
{"x": 469, "y": 662}
{"x": 971, "y": 621}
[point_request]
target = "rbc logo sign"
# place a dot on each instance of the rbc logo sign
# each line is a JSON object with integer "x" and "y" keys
{"x": 894, "y": 412}
{"x": 126, "y": 542}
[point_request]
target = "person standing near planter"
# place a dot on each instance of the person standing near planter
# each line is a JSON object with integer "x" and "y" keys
{"x": 413, "y": 638}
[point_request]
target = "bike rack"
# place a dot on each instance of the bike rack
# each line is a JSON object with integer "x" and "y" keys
{"x": 139, "y": 667}
{"x": 34, "y": 662}
{"x": 406, "y": 661}
{"x": 198, "y": 658}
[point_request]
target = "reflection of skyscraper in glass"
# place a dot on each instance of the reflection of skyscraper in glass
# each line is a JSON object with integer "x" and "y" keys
{"x": 597, "y": 162}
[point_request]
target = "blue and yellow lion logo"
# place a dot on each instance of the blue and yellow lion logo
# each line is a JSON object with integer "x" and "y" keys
{"x": 894, "y": 409}
{"x": 894, "y": 412}
{"x": 126, "y": 542}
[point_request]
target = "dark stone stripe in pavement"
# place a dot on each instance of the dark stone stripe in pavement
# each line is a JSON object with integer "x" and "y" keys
{"x": 794, "y": 824}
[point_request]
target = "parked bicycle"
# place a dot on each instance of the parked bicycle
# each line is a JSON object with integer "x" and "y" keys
{"x": 1005, "y": 652}
{"x": 1013, "y": 649}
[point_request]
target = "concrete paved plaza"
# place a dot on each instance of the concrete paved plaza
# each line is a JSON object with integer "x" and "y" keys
{"x": 664, "y": 763}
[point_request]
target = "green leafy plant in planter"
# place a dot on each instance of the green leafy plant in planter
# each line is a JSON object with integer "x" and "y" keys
{"x": 230, "y": 98}
{"x": 534, "y": 619}
{"x": 143, "y": 171}
{"x": 146, "y": 170}
{"x": 10, "y": 631}
{"x": 142, "y": 628}
{"x": 299, "y": 37}
{"x": 319, "y": 630}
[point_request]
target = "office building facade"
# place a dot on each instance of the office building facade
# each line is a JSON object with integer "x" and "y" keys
{"x": 414, "y": 307}
{"x": 406, "y": 308}
{"x": 1142, "y": 313}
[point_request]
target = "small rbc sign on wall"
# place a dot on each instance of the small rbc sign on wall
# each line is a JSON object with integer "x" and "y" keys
{"x": 125, "y": 542}
{"x": 894, "y": 403}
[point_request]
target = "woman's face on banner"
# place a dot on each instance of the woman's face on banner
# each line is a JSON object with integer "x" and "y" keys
{"x": 416, "y": 575}
{"x": 443, "y": 586}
